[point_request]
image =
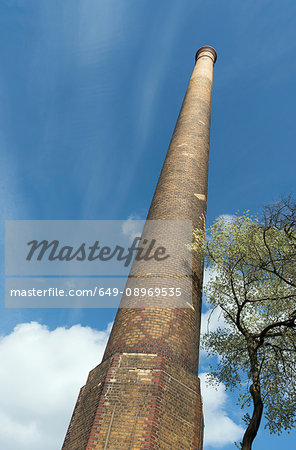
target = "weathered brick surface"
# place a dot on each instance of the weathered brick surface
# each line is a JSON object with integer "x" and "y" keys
{"x": 145, "y": 394}
{"x": 144, "y": 402}
{"x": 86, "y": 408}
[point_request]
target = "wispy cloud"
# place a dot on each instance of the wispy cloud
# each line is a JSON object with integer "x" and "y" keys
{"x": 12, "y": 202}
{"x": 149, "y": 79}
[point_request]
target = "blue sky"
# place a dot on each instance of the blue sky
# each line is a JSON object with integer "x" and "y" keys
{"x": 89, "y": 95}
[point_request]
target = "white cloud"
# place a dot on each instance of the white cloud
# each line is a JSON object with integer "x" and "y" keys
{"x": 227, "y": 218}
{"x": 212, "y": 319}
{"x": 220, "y": 430}
{"x": 132, "y": 227}
{"x": 41, "y": 373}
{"x": 209, "y": 274}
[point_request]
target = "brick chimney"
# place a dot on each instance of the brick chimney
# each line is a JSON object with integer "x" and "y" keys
{"x": 145, "y": 394}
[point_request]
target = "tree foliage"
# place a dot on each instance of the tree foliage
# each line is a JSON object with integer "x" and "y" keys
{"x": 253, "y": 282}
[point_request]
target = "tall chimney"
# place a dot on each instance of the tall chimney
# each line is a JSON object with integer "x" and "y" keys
{"x": 145, "y": 394}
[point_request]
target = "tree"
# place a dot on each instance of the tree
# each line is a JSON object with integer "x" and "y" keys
{"x": 253, "y": 282}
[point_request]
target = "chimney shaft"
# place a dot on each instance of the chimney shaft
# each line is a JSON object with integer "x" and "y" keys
{"x": 180, "y": 194}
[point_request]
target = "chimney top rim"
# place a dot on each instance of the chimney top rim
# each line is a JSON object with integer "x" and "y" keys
{"x": 206, "y": 48}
